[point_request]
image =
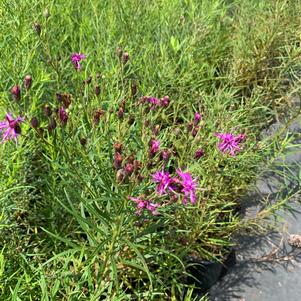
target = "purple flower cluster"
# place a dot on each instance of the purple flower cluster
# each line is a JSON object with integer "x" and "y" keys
{"x": 145, "y": 204}
{"x": 156, "y": 102}
{"x": 76, "y": 58}
{"x": 230, "y": 142}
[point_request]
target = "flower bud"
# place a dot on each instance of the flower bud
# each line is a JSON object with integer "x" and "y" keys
{"x": 88, "y": 80}
{"x": 125, "y": 58}
{"x": 97, "y": 90}
{"x": 137, "y": 166}
{"x": 27, "y": 81}
{"x": 134, "y": 88}
{"x": 197, "y": 118}
{"x": 131, "y": 159}
{"x": 129, "y": 169}
{"x": 96, "y": 116}
{"x": 120, "y": 176}
{"x": 190, "y": 126}
{"x": 117, "y": 160}
{"x": 34, "y": 122}
{"x": 47, "y": 110}
{"x": 156, "y": 129}
{"x": 165, "y": 155}
{"x": 118, "y": 147}
{"x": 120, "y": 113}
{"x": 118, "y": 52}
{"x": 83, "y": 141}
{"x": 164, "y": 102}
{"x": 195, "y": 131}
{"x": 52, "y": 125}
{"x": 140, "y": 177}
{"x": 37, "y": 28}
{"x": 198, "y": 154}
{"x": 131, "y": 119}
{"x": 16, "y": 92}
{"x": 63, "y": 116}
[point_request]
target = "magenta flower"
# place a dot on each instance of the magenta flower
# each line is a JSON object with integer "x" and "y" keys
{"x": 230, "y": 143}
{"x": 145, "y": 204}
{"x": 164, "y": 181}
{"x": 197, "y": 118}
{"x": 76, "y": 58}
{"x": 189, "y": 186}
{"x": 63, "y": 115}
{"x": 154, "y": 147}
{"x": 10, "y": 128}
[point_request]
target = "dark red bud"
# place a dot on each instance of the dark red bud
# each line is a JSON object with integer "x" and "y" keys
{"x": 164, "y": 102}
{"x": 140, "y": 177}
{"x": 198, "y": 154}
{"x": 131, "y": 159}
{"x": 34, "y": 122}
{"x": 137, "y": 166}
{"x": 134, "y": 88}
{"x": 97, "y": 90}
{"x": 118, "y": 147}
{"x": 120, "y": 113}
{"x": 125, "y": 58}
{"x": 83, "y": 141}
{"x": 27, "y": 81}
{"x": 88, "y": 80}
{"x": 47, "y": 110}
{"x": 117, "y": 160}
{"x": 128, "y": 169}
{"x": 190, "y": 126}
{"x": 195, "y": 130}
{"x": 96, "y": 116}
{"x": 63, "y": 116}
{"x": 17, "y": 129}
{"x": 16, "y": 92}
{"x": 52, "y": 125}
{"x": 165, "y": 155}
{"x": 131, "y": 119}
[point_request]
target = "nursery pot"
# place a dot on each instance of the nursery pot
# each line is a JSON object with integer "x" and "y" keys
{"x": 202, "y": 274}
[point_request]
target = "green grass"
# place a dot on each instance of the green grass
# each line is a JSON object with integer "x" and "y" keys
{"x": 68, "y": 230}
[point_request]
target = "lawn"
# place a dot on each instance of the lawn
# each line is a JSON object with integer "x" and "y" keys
{"x": 130, "y": 131}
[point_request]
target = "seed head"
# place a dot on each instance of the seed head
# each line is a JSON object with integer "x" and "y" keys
{"x": 37, "y": 28}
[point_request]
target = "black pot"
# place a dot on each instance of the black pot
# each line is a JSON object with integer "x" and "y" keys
{"x": 203, "y": 274}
